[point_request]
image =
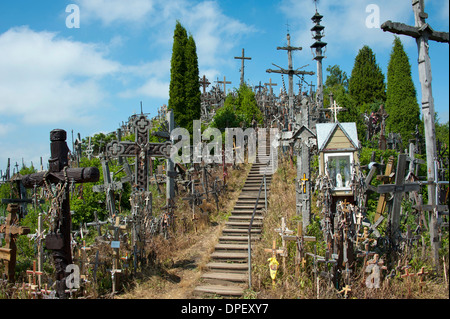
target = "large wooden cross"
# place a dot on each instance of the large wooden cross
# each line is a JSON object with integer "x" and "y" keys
{"x": 59, "y": 173}
{"x": 290, "y": 72}
{"x": 242, "y": 58}
{"x": 141, "y": 149}
{"x": 11, "y": 230}
{"x": 398, "y": 189}
{"x": 423, "y": 32}
{"x": 204, "y": 83}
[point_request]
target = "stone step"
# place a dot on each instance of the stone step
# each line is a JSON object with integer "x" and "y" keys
{"x": 222, "y": 290}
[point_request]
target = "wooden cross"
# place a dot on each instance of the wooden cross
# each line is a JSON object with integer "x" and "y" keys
{"x": 204, "y": 83}
{"x": 346, "y": 290}
{"x": 11, "y": 230}
{"x": 290, "y": 71}
{"x": 59, "y": 173}
{"x": 270, "y": 84}
{"x": 420, "y": 274}
{"x": 398, "y": 189}
{"x": 385, "y": 179}
{"x": 283, "y": 231}
{"x": 141, "y": 149}
{"x": 423, "y": 32}
{"x": 33, "y": 273}
{"x": 406, "y": 275}
{"x": 274, "y": 252}
{"x": 242, "y": 58}
{"x": 300, "y": 239}
{"x": 224, "y": 82}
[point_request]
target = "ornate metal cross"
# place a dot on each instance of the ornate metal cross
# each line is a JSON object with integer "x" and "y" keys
{"x": 141, "y": 149}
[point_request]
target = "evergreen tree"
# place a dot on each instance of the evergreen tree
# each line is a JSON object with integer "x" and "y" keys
{"x": 401, "y": 101}
{"x": 337, "y": 84}
{"x": 192, "y": 86}
{"x": 184, "y": 90}
{"x": 366, "y": 84}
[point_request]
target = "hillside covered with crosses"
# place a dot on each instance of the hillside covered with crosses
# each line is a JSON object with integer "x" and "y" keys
{"x": 329, "y": 191}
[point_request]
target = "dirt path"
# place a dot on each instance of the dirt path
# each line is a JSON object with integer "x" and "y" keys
{"x": 181, "y": 276}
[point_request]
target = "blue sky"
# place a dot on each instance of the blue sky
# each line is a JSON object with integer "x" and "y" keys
{"x": 90, "y": 79}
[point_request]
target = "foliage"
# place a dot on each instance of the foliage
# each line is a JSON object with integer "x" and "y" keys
{"x": 184, "y": 89}
{"x": 239, "y": 110}
{"x": 336, "y": 77}
{"x": 337, "y": 84}
{"x": 366, "y": 83}
{"x": 401, "y": 101}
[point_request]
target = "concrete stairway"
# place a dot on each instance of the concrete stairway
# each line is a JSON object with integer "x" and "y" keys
{"x": 227, "y": 271}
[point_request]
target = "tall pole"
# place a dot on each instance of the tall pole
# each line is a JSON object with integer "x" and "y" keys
{"x": 422, "y": 32}
{"x": 318, "y": 45}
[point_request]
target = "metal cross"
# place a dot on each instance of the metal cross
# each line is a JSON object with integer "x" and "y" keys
{"x": 141, "y": 149}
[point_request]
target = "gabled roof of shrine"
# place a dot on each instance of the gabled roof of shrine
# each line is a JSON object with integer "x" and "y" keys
{"x": 326, "y": 130}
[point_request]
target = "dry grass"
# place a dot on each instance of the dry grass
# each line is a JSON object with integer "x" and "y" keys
{"x": 179, "y": 261}
{"x": 293, "y": 283}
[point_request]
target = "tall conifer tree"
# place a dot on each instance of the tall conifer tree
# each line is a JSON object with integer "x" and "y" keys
{"x": 366, "y": 84}
{"x": 192, "y": 86}
{"x": 184, "y": 90}
{"x": 401, "y": 100}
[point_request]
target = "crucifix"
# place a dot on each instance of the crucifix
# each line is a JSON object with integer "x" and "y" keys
{"x": 224, "y": 82}
{"x": 290, "y": 72}
{"x": 242, "y": 58}
{"x": 60, "y": 174}
{"x": 141, "y": 149}
{"x": 423, "y": 32}
{"x": 204, "y": 83}
{"x": 11, "y": 230}
{"x": 273, "y": 261}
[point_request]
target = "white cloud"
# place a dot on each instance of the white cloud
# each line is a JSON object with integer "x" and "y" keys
{"x": 152, "y": 88}
{"x": 45, "y": 79}
{"x": 215, "y": 33}
{"x": 112, "y": 11}
{"x": 345, "y": 23}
